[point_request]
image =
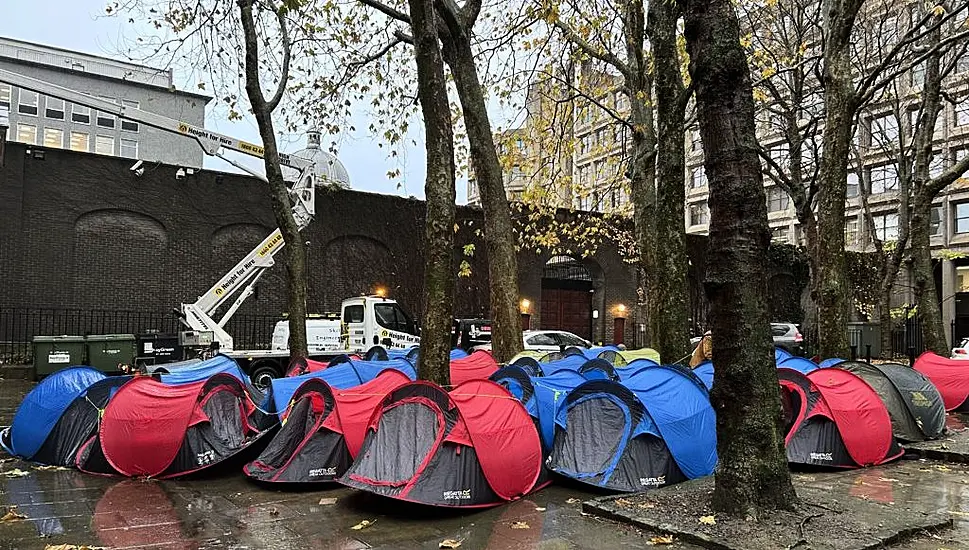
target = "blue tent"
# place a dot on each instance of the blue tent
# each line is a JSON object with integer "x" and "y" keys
{"x": 341, "y": 376}
{"x": 42, "y": 408}
{"x": 203, "y": 370}
{"x": 635, "y": 366}
{"x": 704, "y": 371}
{"x": 599, "y": 369}
{"x": 780, "y": 354}
{"x": 569, "y": 362}
{"x": 653, "y": 429}
{"x": 799, "y": 364}
{"x": 831, "y": 362}
{"x": 458, "y": 354}
{"x": 594, "y": 351}
{"x": 541, "y": 395}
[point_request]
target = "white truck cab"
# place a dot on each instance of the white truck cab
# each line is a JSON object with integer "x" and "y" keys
{"x": 364, "y": 322}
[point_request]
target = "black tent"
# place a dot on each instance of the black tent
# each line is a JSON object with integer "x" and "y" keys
{"x": 913, "y": 402}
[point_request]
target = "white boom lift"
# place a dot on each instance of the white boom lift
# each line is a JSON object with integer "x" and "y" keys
{"x": 240, "y": 280}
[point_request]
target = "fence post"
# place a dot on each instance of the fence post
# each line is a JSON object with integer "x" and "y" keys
{"x": 911, "y": 356}
{"x": 952, "y": 331}
{"x": 868, "y": 353}
{"x": 854, "y": 352}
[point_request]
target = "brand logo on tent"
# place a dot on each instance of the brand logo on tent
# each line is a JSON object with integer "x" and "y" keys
{"x": 919, "y": 400}
{"x": 205, "y": 457}
{"x": 319, "y": 472}
{"x": 822, "y": 456}
{"x": 463, "y": 494}
{"x": 652, "y": 481}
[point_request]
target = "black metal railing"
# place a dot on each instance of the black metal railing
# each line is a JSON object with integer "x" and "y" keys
{"x": 18, "y": 327}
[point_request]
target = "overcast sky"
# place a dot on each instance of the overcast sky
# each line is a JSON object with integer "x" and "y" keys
{"x": 73, "y": 24}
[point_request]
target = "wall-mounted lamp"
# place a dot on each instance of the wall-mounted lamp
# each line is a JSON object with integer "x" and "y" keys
{"x": 380, "y": 291}
{"x": 525, "y": 305}
{"x": 620, "y": 310}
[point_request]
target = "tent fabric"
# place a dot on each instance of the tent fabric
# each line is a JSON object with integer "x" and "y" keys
{"x": 541, "y": 395}
{"x": 569, "y": 362}
{"x": 458, "y": 354}
{"x": 634, "y": 366}
{"x": 781, "y": 355}
{"x": 704, "y": 371}
{"x": 575, "y": 350}
{"x": 800, "y": 364}
{"x": 340, "y": 376}
{"x": 204, "y": 370}
{"x": 474, "y": 447}
{"x": 836, "y": 419}
{"x": 643, "y": 353}
{"x": 950, "y": 376}
{"x": 612, "y": 356}
{"x": 479, "y": 365}
{"x": 599, "y": 369}
{"x": 41, "y": 409}
{"x": 832, "y": 362}
{"x": 528, "y": 353}
{"x": 303, "y": 365}
{"x": 913, "y": 403}
{"x": 529, "y": 364}
{"x": 155, "y": 429}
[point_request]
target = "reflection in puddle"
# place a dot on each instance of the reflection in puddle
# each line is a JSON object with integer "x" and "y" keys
{"x": 136, "y": 513}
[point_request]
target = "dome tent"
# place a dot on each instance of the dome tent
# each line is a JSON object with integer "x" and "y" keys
{"x": 950, "y": 376}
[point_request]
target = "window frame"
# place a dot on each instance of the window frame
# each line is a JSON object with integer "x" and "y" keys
{"x": 956, "y": 218}
{"x": 21, "y": 104}
{"x": 107, "y": 116}
{"x": 6, "y": 90}
{"x": 74, "y": 113}
{"x": 121, "y": 148}
{"x": 61, "y": 144}
{"x": 87, "y": 141}
{"x": 96, "y": 144}
{"x": 133, "y": 126}
{"x": 883, "y": 188}
{"x": 48, "y": 109}
{"x": 20, "y": 127}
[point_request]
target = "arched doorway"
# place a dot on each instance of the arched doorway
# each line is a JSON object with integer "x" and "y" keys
{"x": 567, "y": 289}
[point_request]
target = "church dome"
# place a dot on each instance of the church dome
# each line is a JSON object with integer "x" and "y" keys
{"x": 329, "y": 170}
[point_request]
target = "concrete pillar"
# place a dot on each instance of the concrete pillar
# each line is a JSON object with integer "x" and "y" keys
{"x": 948, "y": 298}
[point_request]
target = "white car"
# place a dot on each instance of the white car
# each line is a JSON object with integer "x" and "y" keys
{"x": 548, "y": 340}
{"x": 962, "y": 351}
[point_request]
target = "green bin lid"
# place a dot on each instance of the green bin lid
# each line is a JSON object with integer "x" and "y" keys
{"x": 65, "y": 338}
{"x": 110, "y": 337}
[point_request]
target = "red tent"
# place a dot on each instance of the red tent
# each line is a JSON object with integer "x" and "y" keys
{"x": 473, "y": 447}
{"x": 322, "y": 432}
{"x": 835, "y": 419}
{"x": 478, "y": 366}
{"x": 950, "y": 376}
{"x": 303, "y": 365}
{"x": 154, "y": 429}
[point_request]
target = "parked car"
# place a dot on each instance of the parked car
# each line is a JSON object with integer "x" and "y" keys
{"x": 786, "y": 336}
{"x": 962, "y": 350}
{"x": 547, "y": 340}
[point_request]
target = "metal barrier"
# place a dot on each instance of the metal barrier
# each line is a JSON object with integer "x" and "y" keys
{"x": 18, "y": 326}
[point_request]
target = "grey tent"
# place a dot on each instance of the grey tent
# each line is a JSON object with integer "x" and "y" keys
{"x": 913, "y": 402}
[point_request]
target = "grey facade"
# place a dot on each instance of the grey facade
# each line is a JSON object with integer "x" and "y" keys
{"x": 39, "y": 120}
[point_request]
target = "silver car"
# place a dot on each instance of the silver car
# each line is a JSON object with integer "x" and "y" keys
{"x": 548, "y": 340}
{"x": 786, "y": 336}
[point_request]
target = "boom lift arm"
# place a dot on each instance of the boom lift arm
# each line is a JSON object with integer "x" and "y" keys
{"x": 240, "y": 280}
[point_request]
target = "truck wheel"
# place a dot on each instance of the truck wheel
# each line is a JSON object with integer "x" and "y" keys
{"x": 263, "y": 373}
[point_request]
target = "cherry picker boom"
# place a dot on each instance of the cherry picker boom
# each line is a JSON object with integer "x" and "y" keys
{"x": 239, "y": 282}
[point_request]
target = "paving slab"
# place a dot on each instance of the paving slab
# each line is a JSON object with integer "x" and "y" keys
{"x": 828, "y": 518}
{"x": 954, "y": 447}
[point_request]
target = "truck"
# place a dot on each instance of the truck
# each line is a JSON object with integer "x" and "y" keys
{"x": 364, "y": 321}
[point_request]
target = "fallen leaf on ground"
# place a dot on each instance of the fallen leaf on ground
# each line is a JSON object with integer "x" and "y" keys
{"x": 539, "y": 509}
{"x": 958, "y": 513}
{"x": 520, "y": 525}
{"x": 887, "y": 479}
{"x": 363, "y": 524}
{"x": 12, "y": 515}
{"x": 73, "y": 547}
{"x": 658, "y": 541}
{"x": 572, "y": 501}
{"x": 942, "y": 468}
{"x": 449, "y": 543}
{"x": 16, "y": 472}
{"x": 708, "y": 520}
{"x": 327, "y": 501}
{"x": 48, "y": 468}
{"x": 623, "y": 502}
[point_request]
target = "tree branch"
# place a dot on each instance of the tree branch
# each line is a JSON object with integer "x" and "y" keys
{"x": 387, "y": 10}
{"x": 472, "y": 8}
{"x": 582, "y": 44}
{"x": 287, "y": 54}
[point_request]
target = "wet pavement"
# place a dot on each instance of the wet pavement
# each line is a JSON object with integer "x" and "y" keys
{"x": 229, "y": 512}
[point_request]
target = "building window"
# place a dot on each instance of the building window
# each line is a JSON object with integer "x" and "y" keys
{"x": 80, "y": 141}
{"x": 27, "y": 133}
{"x": 937, "y": 164}
{"x": 698, "y": 178}
{"x": 106, "y": 120}
{"x": 961, "y": 221}
{"x": 614, "y": 196}
{"x": 696, "y": 144}
{"x": 777, "y": 199}
{"x": 935, "y": 220}
{"x": 781, "y": 234}
{"x": 918, "y": 75}
{"x": 884, "y": 131}
{"x": 884, "y": 178}
{"x": 5, "y": 96}
{"x": 80, "y": 114}
{"x": 852, "y": 182}
{"x": 851, "y": 231}
{"x": 962, "y": 112}
{"x": 886, "y": 227}
{"x": 28, "y": 103}
{"x": 779, "y": 154}
{"x": 104, "y": 145}
{"x": 962, "y": 64}
{"x": 129, "y": 149}
{"x": 698, "y": 214}
{"x": 54, "y": 137}
{"x": 54, "y": 108}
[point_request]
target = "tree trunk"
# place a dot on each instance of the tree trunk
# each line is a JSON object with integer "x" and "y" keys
{"x": 831, "y": 283}
{"x": 499, "y": 235}
{"x": 885, "y": 323}
{"x": 667, "y": 295}
{"x": 642, "y": 154}
{"x": 752, "y": 477}
{"x": 923, "y": 280}
{"x": 439, "y": 191}
{"x": 295, "y": 247}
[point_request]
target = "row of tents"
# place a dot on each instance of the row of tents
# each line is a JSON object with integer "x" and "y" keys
{"x": 602, "y": 417}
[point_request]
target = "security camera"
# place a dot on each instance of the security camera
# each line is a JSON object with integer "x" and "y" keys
{"x": 138, "y": 168}
{"x": 180, "y": 174}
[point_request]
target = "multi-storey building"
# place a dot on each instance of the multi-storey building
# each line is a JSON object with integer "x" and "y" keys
{"x": 36, "y": 119}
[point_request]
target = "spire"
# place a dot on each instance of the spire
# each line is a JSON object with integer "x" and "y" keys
{"x": 313, "y": 139}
